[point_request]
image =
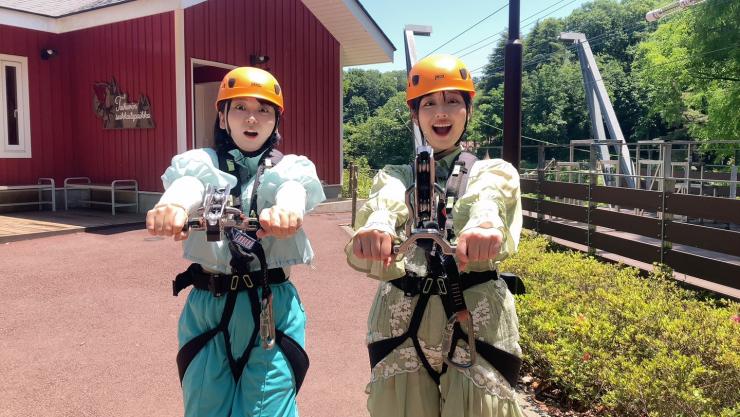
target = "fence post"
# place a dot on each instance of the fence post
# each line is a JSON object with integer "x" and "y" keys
{"x": 540, "y": 182}
{"x": 353, "y": 190}
{"x": 665, "y": 218}
{"x": 591, "y": 205}
{"x": 666, "y": 150}
{"x": 733, "y": 178}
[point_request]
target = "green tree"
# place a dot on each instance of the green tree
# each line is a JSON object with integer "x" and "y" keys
{"x": 611, "y": 27}
{"x": 554, "y": 107}
{"x": 542, "y": 44}
{"x": 493, "y": 72}
{"x": 371, "y": 85}
{"x": 357, "y": 110}
{"x": 383, "y": 138}
{"x": 689, "y": 70}
{"x": 485, "y": 125}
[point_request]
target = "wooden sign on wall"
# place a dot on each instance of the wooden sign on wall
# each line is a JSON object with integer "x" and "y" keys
{"x": 117, "y": 112}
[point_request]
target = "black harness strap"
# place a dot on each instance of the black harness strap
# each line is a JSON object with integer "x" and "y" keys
{"x": 382, "y": 348}
{"x": 450, "y": 285}
{"x": 244, "y": 247}
{"x": 294, "y": 353}
{"x": 226, "y": 163}
{"x": 455, "y": 187}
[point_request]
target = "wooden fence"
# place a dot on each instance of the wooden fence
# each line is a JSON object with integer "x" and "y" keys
{"x": 648, "y": 226}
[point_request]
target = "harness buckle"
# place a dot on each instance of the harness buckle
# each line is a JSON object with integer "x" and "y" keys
{"x": 427, "y": 285}
{"x": 214, "y": 287}
{"x": 267, "y": 323}
{"x": 466, "y": 322}
{"x": 247, "y": 281}
{"x": 442, "y": 286}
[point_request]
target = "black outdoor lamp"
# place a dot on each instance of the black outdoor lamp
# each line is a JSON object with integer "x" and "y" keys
{"x": 258, "y": 59}
{"x": 48, "y": 53}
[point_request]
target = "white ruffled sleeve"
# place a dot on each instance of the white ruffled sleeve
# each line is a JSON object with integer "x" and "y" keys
{"x": 185, "y": 179}
{"x": 280, "y": 185}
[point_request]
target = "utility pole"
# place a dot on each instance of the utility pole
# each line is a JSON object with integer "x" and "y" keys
{"x": 513, "y": 89}
{"x": 410, "y": 46}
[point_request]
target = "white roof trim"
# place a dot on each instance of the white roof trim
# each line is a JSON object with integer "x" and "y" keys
{"x": 366, "y": 45}
{"x": 92, "y": 18}
{"x": 361, "y": 40}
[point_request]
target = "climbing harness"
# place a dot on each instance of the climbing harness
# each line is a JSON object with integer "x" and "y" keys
{"x": 221, "y": 213}
{"x": 430, "y": 228}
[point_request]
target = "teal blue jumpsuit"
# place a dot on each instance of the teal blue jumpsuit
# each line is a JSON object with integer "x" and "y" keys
{"x": 266, "y": 386}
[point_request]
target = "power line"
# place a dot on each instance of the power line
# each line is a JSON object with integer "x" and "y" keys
{"x": 527, "y": 137}
{"x": 471, "y": 27}
{"x": 591, "y": 41}
{"x": 545, "y": 58}
{"x": 504, "y": 31}
{"x": 624, "y": 30}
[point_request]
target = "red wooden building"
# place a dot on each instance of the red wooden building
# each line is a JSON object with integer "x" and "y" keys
{"x": 64, "y": 62}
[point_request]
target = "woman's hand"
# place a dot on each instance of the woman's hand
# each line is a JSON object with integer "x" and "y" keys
{"x": 374, "y": 245}
{"x": 478, "y": 244}
{"x": 279, "y": 223}
{"x": 167, "y": 220}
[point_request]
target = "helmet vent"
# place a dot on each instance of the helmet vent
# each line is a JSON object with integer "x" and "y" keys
{"x": 464, "y": 73}
{"x": 439, "y": 77}
{"x": 415, "y": 80}
{"x": 232, "y": 81}
{"x": 277, "y": 89}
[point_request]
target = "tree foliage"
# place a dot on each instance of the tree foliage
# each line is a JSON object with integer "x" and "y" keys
{"x": 688, "y": 69}
{"x": 678, "y": 78}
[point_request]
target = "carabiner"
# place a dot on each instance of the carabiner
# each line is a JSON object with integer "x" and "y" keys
{"x": 267, "y": 323}
{"x": 466, "y": 322}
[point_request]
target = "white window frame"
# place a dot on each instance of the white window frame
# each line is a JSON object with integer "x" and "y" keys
{"x": 23, "y": 149}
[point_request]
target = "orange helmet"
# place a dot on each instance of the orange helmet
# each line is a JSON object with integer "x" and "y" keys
{"x": 250, "y": 82}
{"x": 438, "y": 73}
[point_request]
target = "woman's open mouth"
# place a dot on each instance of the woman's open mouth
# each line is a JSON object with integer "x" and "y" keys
{"x": 442, "y": 129}
{"x": 250, "y": 134}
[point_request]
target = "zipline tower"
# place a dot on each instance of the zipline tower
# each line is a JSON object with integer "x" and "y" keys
{"x": 409, "y": 44}
{"x": 600, "y": 108}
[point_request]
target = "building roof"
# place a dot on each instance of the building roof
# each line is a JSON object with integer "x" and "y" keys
{"x": 57, "y": 8}
{"x": 361, "y": 39}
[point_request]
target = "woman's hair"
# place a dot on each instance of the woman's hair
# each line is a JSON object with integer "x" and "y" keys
{"x": 223, "y": 141}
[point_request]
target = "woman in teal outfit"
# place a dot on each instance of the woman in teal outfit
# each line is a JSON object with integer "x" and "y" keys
{"x": 226, "y": 367}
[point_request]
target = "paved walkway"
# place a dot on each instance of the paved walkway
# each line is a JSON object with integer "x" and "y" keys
{"x": 88, "y": 322}
{"x": 34, "y": 224}
{"x": 88, "y": 325}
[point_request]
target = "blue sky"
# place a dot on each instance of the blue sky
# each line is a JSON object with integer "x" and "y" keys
{"x": 449, "y": 18}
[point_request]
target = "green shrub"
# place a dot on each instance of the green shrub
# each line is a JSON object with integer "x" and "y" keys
{"x": 635, "y": 346}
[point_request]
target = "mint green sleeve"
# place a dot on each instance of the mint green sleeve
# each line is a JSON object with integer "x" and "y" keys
{"x": 385, "y": 210}
{"x": 492, "y": 196}
{"x": 198, "y": 163}
{"x": 292, "y": 170}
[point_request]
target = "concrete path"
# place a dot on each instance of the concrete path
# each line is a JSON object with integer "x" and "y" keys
{"x": 88, "y": 325}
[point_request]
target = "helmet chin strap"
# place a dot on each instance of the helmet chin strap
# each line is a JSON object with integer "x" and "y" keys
{"x": 226, "y": 118}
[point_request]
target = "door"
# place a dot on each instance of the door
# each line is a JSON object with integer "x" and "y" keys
{"x": 205, "y": 113}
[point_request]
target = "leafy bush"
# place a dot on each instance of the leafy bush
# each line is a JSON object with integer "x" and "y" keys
{"x": 633, "y": 346}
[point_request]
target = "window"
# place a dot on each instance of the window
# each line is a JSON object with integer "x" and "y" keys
{"x": 15, "y": 126}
